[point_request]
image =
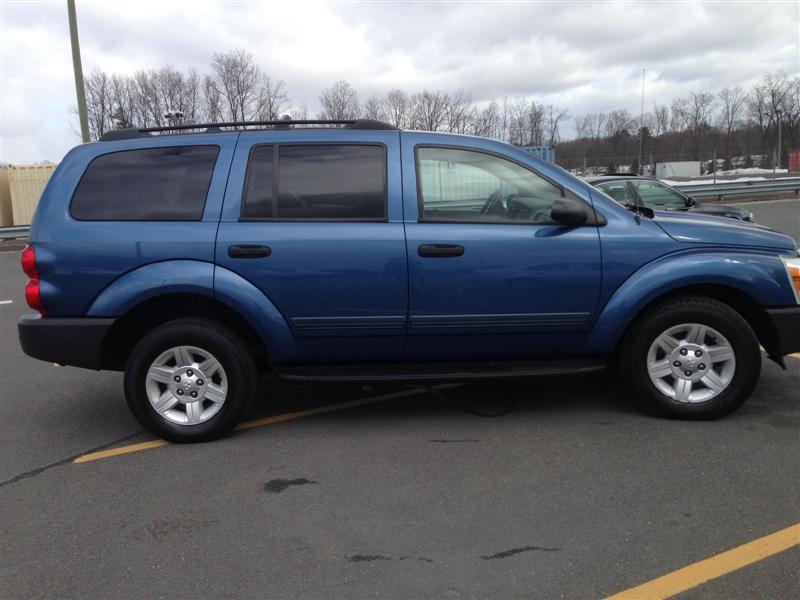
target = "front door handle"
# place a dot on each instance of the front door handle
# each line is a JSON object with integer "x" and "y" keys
{"x": 440, "y": 250}
{"x": 248, "y": 251}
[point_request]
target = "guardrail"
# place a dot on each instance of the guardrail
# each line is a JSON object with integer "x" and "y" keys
{"x": 741, "y": 188}
{"x": 13, "y": 233}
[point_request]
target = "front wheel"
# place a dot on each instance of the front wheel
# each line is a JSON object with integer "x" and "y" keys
{"x": 190, "y": 380}
{"x": 691, "y": 358}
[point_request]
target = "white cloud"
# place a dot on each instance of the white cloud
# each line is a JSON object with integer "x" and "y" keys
{"x": 582, "y": 55}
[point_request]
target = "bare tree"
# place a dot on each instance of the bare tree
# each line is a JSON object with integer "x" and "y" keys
{"x": 732, "y": 102}
{"x": 373, "y": 109}
{"x": 429, "y": 110}
{"x": 701, "y": 106}
{"x": 460, "y": 112}
{"x": 300, "y": 113}
{"x": 487, "y": 121}
{"x": 273, "y": 100}
{"x": 339, "y": 102}
{"x": 99, "y": 103}
{"x": 396, "y": 108}
{"x": 237, "y": 80}
{"x": 553, "y": 118}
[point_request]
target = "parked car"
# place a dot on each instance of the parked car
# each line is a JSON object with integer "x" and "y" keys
{"x": 195, "y": 261}
{"x": 630, "y": 189}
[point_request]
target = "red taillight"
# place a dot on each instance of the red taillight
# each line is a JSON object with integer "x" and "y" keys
{"x": 34, "y": 297}
{"x": 29, "y": 262}
{"x": 33, "y": 294}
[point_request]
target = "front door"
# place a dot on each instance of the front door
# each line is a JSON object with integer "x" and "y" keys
{"x": 491, "y": 275}
{"x": 315, "y": 222}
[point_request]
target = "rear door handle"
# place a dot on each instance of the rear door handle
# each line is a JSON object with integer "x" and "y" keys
{"x": 440, "y": 250}
{"x": 248, "y": 251}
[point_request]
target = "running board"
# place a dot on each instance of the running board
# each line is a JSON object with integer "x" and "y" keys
{"x": 439, "y": 371}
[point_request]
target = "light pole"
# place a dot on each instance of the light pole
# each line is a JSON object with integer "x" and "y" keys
{"x": 76, "y": 66}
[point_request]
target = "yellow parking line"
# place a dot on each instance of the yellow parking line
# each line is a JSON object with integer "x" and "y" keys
{"x": 254, "y": 423}
{"x": 121, "y": 450}
{"x": 711, "y": 568}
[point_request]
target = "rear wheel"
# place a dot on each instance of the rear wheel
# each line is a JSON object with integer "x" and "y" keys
{"x": 691, "y": 358}
{"x": 190, "y": 380}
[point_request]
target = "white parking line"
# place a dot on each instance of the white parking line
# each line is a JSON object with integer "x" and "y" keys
{"x": 6, "y": 301}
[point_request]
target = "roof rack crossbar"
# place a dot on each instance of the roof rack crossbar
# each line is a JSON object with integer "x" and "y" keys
{"x": 133, "y": 132}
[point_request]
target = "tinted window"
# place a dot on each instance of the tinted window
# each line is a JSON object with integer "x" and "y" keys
{"x": 657, "y": 195}
{"x": 331, "y": 182}
{"x": 619, "y": 191}
{"x": 465, "y": 185}
{"x": 156, "y": 184}
{"x": 258, "y": 202}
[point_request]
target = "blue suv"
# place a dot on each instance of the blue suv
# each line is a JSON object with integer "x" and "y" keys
{"x": 195, "y": 259}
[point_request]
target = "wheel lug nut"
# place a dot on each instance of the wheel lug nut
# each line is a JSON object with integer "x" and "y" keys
{"x": 687, "y": 373}
{"x": 677, "y": 363}
{"x": 683, "y": 351}
{"x": 698, "y": 353}
{"x": 177, "y": 378}
{"x": 701, "y": 366}
{"x": 199, "y": 382}
{"x": 180, "y": 392}
{"x": 190, "y": 372}
{"x": 193, "y": 394}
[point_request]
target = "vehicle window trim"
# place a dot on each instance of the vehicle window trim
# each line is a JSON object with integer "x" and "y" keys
{"x": 592, "y": 217}
{"x": 634, "y": 185}
{"x": 275, "y": 177}
{"x": 205, "y": 198}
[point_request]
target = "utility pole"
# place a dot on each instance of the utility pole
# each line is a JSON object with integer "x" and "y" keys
{"x": 76, "y": 66}
{"x": 780, "y": 122}
{"x": 641, "y": 124}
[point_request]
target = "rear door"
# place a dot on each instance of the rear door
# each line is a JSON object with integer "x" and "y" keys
{"x": 314, "y": 219}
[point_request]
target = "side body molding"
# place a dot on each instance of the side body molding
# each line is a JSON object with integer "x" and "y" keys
{"x": 758, "y": 275}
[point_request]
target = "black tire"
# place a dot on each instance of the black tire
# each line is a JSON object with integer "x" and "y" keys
{"x": 234, "y": 356}
{"x": 690, "y": 309}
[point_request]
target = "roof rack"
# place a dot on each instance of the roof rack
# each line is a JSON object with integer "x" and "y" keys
{"x": 136, "y": 132}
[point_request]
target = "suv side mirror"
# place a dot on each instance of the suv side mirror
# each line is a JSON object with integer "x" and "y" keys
{"x": 690, "y": 202}
{"x": 567, "y": 211}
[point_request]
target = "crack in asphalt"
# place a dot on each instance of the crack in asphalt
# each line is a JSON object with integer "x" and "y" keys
{"x": 276, "y": 486}
{"x": 513, "y": 551}
{"x": 40, "y": 470}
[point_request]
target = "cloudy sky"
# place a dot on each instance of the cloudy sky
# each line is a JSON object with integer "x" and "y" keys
{"x": 586, "y": 56}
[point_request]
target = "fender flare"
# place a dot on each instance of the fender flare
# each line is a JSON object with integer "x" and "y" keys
{"x": 201, "y": 278}
{"x": 150, "y": 281}
{"x": 760, "y": 276}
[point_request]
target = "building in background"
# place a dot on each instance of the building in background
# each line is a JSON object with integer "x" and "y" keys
{"x": 20, "y": 189}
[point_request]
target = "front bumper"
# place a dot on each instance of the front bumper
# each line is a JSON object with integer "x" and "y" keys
{"x": 72, "y": 341}
{"x": 786, "y": 326}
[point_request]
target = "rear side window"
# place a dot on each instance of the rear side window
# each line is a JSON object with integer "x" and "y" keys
{"x": 154, "y": 184}
{"x": 317, "y": 182}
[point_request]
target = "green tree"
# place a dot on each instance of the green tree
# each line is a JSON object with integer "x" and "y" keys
{"x": 635, "y": 167}
{"x": 727, "y": 165}
{"x": 748, "y": 162}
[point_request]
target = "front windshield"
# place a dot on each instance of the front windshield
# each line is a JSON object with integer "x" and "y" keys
{"x": 658, "y": 196}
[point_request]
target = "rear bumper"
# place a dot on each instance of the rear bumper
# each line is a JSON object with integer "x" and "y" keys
{"x": 77, "y": 342}
{"x": 786, "y": 325}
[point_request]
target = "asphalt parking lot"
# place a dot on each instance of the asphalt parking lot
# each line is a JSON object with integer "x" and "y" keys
{"x": 574, "y": 493}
